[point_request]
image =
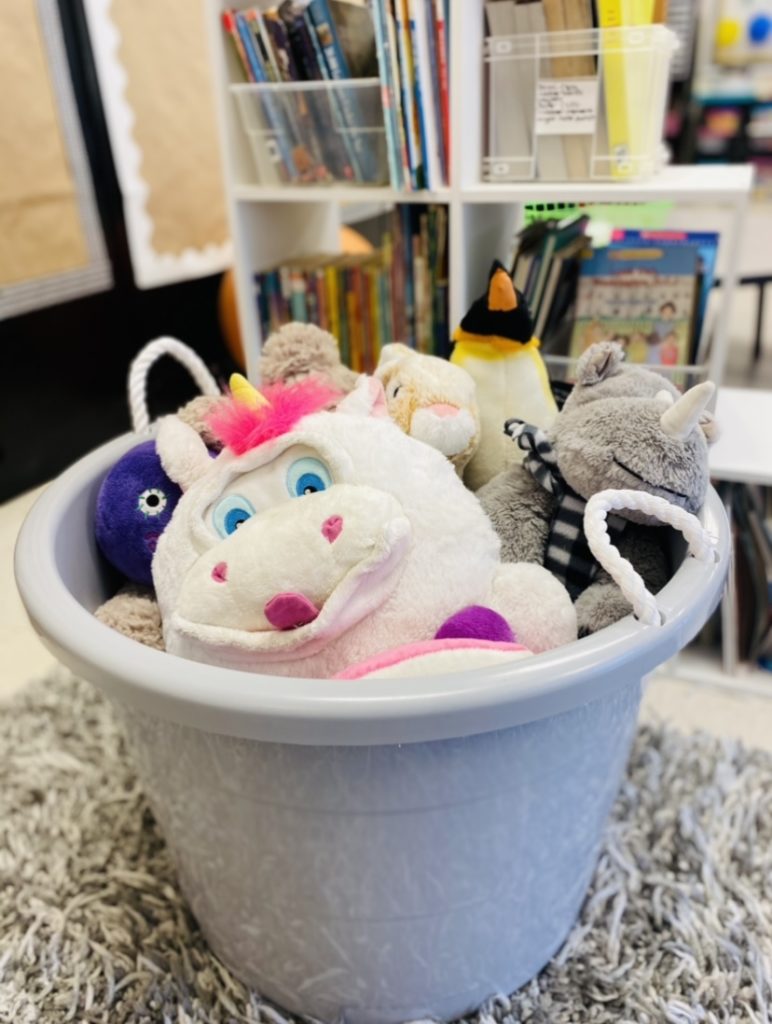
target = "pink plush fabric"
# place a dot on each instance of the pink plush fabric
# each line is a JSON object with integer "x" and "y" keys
{"x": 290, "y": 611}
{"x": 407, "y": 651}
{"x": 240, "y": 428}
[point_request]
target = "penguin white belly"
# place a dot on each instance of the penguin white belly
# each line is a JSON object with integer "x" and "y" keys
{"x": 515, "y": 386}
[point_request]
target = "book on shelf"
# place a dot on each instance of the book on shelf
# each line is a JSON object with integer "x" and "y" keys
{"x": 704, "y": 245}
{"x": 412, "y": 43}
{"x": 648, "y": 289}
{"x": 545, "y": 270}
{"x": 313, "y": 135}
{"x": 385, "y": 42}
{"x": 509, "y": 128}
{"x": 644, "y": 296}
{"x": 334, "y": 67}
{"x": 567, "y": 104}
{"x": 407, "y": 92}
{"x": 333, "y": 134}
{"x": 397, "y": 292}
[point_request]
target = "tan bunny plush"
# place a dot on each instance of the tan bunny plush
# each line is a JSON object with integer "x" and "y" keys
{"x": 432, "y": 401}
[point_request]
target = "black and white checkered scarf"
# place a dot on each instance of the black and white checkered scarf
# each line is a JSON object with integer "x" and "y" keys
{"x": 568, "y": 555}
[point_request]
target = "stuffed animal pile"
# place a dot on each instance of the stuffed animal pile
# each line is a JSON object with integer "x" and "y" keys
{"x": 320, "y": 538}
{"x": 320, "y": 526}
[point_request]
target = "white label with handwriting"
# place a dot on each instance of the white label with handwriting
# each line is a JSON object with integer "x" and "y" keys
{"x": 566, "y": 106}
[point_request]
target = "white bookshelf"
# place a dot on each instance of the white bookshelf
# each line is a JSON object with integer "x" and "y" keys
{"x": 274, "y": 223}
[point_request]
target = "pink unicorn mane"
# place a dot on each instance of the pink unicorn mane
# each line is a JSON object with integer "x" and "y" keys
{"x": 242, "y": 428}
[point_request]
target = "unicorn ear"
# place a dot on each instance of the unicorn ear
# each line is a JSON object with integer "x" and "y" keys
{"x": 367, "y": 399}
{"x": 183, "y": 454}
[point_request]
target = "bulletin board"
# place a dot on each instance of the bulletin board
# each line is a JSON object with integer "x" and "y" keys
{"x": 155, "y": 80}
{"x": 51, "y": 243}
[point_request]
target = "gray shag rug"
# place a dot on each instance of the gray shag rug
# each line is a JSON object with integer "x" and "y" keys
{"x": 676, "y": 928}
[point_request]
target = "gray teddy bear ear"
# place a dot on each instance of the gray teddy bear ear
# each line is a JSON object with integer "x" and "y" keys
{"x": 600, "y": 361}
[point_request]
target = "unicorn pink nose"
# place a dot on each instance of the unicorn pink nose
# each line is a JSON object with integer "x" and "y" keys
{"x": 331, "y": 528}
{"x": 443, "y": 409}
{"x": 220, "y": 572}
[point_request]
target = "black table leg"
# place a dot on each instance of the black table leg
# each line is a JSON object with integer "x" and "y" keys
{"x": 759, "y": 322}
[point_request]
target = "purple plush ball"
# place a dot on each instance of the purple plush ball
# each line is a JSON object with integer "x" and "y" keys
{"x": 476, "y": 622}
{"x": 134, "y": 506}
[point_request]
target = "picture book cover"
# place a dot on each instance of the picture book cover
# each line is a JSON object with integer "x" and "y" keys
{"x": 705, "y": 245}
{"x": 641, "y": 296}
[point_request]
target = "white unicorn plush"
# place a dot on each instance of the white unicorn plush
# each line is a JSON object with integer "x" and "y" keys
{"x": 318, "y": 539}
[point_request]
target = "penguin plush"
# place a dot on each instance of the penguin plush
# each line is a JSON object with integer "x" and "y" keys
{"x": 495, "y": 344}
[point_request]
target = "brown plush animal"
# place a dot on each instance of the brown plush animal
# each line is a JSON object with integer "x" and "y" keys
{"x": 297, "y": 350}
{"x": 134, "y": 612}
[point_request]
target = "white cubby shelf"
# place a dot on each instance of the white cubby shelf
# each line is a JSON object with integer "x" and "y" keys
{"x": 272, "y": 223}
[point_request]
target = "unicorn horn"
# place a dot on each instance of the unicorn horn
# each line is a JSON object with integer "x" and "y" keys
{"x": 244, "y": 393}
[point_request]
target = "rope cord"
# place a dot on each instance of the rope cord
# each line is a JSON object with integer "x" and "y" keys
{"x": 140, "y": 369}
{"x": 701, "y": 545}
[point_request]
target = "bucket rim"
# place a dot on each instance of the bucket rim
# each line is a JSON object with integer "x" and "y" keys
{"x": 341, "y": 712}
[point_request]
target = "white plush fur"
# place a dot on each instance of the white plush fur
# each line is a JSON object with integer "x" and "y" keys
{"x": 182, "y": 452}
{"x": 414, "y": 548}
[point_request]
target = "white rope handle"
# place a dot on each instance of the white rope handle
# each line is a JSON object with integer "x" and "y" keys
{"x": 701, "y": 544}
{"x": 140, "y": 368}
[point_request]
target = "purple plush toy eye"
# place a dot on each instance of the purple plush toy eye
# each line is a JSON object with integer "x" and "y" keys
{"x": 135, "y": 503}
{"x": 152, "y": 501}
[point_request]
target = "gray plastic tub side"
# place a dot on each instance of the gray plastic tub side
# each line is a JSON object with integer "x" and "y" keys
{"x": 61, "y": 579}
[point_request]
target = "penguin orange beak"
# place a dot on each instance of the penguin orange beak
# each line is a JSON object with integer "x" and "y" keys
{"x": 501, "y": 292}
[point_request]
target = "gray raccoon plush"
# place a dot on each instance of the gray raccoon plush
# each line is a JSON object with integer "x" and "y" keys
{"x": 621, "y": 427}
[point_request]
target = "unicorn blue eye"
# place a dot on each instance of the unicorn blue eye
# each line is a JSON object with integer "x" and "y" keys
{"x": 230, "y": 512}
{"x": 307, "y": 476}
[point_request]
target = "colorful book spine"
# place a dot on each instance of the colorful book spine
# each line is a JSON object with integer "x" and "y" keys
{"x": 434, "y": 98}
{"x": 306, "y": 151}
{"x": 360, "y": 299}
{"x": 285, "y": 59}
{"x": 263, "y": 44}
{"x": 441, "y": 34}
{"x": 388, "y": 93}
{"x": 230, "y": 26}
{"x": 248, "y": 44}
{"x": 298, "y": 307}
{"x": 393, "y": 50}
{"x": 344, "y": 100}
{"x": 278, "y": 126}
{"x": 624, "y": 90}
{"x": 408, "y": 94}
{"x": 301, "y": 40}
{"x": 418, "y": 59}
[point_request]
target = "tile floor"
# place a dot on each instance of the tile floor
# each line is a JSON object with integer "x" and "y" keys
{"x": 689, "y": 705}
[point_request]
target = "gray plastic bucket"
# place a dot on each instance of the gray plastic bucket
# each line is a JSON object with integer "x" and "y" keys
{"x": 374, "y": 851}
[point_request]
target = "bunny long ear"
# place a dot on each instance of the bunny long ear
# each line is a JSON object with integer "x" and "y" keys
{"x": 183, "y": 454}
{"x": 600, "y": 361}
{"x": 367, "y": 399}
{"x": 391, "y": 352}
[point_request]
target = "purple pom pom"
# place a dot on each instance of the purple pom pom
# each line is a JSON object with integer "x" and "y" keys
{"x": 134, "y": 506}
{"x": 476, "y": 622}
